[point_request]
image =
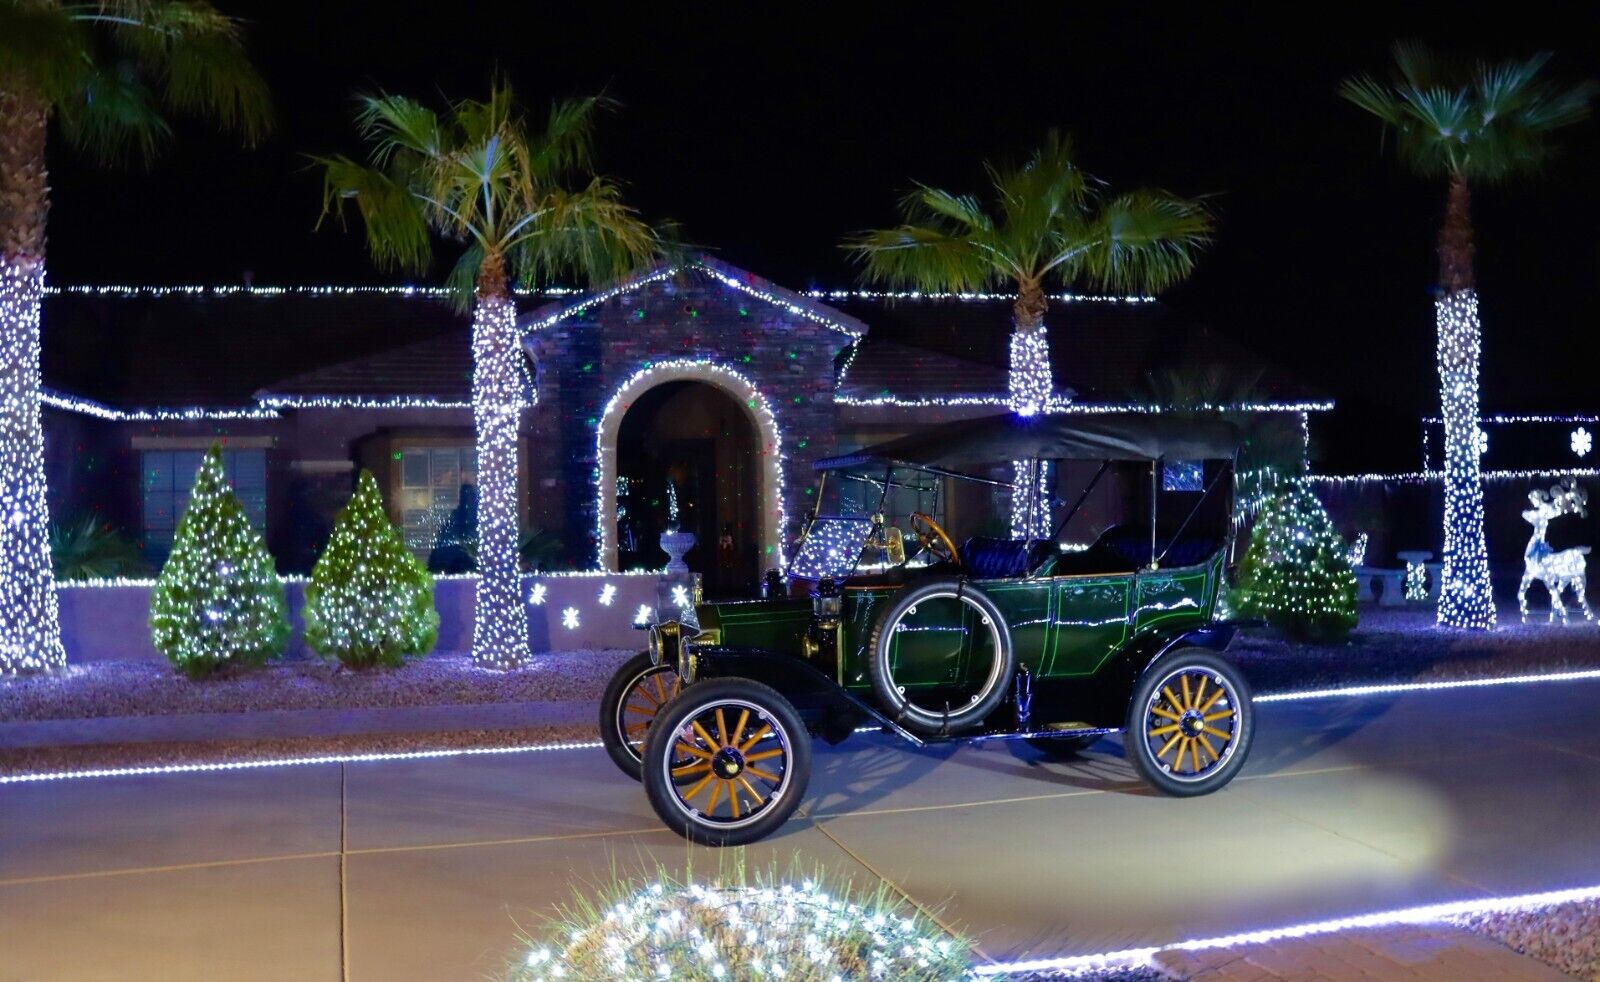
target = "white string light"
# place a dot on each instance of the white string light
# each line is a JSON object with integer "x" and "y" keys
{"x": 500, "y": 622}
{"x": 1426, "y": 477}
{"x": 1466, "y": 600}
{"x": 1431, "y": 913}
{"x": 361, "y": 402}
{"x": 99, "y": 410}
{"x": 433, "y": 292}
{"x": 30, "y": 626}
{"x": 965, "y": 296}
{"x": 250, "y": 765}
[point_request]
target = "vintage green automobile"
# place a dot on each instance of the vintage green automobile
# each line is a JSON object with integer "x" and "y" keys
{"x": 1027, "y": 638}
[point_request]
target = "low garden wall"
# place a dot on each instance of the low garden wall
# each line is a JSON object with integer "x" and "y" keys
{"x": 111, "y": 621}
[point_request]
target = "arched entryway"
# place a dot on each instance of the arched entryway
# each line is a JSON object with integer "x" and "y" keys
{"x": 713, "y": 435}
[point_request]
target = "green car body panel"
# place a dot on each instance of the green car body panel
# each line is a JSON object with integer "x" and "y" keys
{"x": 1061, "y": 627}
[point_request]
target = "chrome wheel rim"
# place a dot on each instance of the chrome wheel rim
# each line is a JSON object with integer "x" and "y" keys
{"x": 641, "y": 701}
{"x": 729, "y": 764}
{"x": 1191, "y": 723}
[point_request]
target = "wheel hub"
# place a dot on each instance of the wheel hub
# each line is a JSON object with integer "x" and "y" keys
{"x": 1192, "y": 723}
{"x": 729, "y": 763}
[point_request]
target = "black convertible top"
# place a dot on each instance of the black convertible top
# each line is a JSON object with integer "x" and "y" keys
{"x": 1056, "y": 436}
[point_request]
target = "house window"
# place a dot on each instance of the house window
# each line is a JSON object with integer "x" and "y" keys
{"x": 168, "y": 477}
{"x": 431, "y": 479}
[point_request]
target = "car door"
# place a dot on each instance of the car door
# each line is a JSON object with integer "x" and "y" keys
{"x": 1090, "y": 621}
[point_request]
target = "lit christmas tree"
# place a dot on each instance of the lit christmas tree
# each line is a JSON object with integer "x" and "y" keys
{"x": 218, "y": 600}
{"x": 1296, "y": 573}
{"x": 370, "y": 601}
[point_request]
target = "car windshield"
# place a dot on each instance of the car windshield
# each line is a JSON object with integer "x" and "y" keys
{"x": 864, "y": 522}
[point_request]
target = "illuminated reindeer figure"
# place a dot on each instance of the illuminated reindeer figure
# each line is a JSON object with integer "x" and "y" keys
{"x": 1557, "y": 570}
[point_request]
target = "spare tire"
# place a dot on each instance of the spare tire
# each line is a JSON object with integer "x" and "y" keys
{"x": 949, "y": 605}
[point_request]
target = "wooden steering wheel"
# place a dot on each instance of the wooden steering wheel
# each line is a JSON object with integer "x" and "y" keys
{"x": 933, "y": 539}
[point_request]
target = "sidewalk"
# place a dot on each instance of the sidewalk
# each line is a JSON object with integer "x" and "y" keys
{"x": 291, "y": 723}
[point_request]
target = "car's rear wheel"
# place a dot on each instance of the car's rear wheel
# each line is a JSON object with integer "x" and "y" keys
{"x": 1190, "y": 722}
{"x": 631, "y": 702}
{"x": 726, "y": 762}
{"x": 941, "y": 608}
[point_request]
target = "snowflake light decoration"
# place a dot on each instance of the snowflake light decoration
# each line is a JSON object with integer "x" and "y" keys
{"x": 608, "y": 593}
{"x": 569, "y": 618}
{"x": 644, "y": 614}
{"x": 1582, "y": 442}
{"x": 680, "y": 595}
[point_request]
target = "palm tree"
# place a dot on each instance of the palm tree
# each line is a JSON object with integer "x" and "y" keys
{"x": 105, "y": 73}
{"x": 523, "y": 203}
{"x": 1049, "y": 223}
{"x": 1469, "y": 124}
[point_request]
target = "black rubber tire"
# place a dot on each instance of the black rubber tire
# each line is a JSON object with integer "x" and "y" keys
{"x": 1063, "y": 748}
{"x": 659, "y": 758}
{"x": 1136, "y": 745}
{"x": 894, "y": 703}
{"x": 613, "y": 734}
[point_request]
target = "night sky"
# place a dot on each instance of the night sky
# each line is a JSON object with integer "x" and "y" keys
{"x": 768, "y": 141}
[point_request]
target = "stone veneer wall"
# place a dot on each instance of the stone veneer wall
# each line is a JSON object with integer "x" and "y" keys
{"x": 583, "y": 359}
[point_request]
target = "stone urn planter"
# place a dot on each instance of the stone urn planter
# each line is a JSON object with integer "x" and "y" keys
{"x": 675, "y": 543}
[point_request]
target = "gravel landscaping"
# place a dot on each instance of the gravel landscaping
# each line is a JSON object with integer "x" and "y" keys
{"x": 1566, "y": 936}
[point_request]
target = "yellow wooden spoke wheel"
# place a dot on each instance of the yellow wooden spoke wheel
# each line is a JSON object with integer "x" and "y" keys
{"x": 1189, "y": 723}
{"x": 726, "y": 762}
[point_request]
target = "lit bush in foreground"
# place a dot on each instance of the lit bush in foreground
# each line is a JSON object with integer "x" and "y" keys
{"x": 739, "y": 931}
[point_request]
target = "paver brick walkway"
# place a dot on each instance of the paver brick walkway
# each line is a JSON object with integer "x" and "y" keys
{"x": 1432, "y": 953}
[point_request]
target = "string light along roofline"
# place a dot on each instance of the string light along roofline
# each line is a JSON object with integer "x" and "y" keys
{"x": 1063, "y": 406}
{"x": 968, "y": 296}
{"x": 328, "y": 290}
{"x": 99, "y": 410}
{"x": 366, "y": 402}
{"x": 1430, "y": 476}
{"x": 759, "y": 289}
{"x": 1526, "y": 418}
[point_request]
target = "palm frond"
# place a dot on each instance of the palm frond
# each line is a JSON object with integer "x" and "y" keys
{"x": 197, "y": 59}
{"x": 46, "y": 48}
{"x": 397, "y": 231}
{"x": 1047, "y": 219}
{"x": 922, "y": 258}
{"x": 393, "y": 123}
{"x": 1487, "y": 122}
{"x": 589, "y": 231}
{"x": 113, "y": 121}
{"x": 566, "y": 144}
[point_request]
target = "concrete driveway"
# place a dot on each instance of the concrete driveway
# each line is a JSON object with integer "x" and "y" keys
{"x": 426, "y": 870}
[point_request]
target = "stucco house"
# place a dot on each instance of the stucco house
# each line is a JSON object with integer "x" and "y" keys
{"x": 697, "y": 384}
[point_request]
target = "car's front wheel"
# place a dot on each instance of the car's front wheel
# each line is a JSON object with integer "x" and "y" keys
{"x": 630, "y": 704}
{"x": 1190, "y": 722}
{"x": 726, "y": 762}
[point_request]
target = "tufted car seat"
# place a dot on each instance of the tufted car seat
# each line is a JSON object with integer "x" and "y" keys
{"x": 994, "y": 559}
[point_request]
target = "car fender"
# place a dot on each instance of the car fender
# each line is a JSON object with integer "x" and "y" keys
{"x": 1104, "y": 699}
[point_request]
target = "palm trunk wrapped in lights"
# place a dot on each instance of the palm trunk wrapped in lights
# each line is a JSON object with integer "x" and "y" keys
{"x": 30, "y": 630}
{"x": 1466, "y": 599}
{"x": 500, "y": 621}
{"x": 1030, "y": 386}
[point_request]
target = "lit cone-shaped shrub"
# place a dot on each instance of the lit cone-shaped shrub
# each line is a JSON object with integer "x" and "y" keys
{"x": 218, "y": 600}
{"x": 744, "y": 931}
{"x": 369, "y": 602}
{"x": 1296, "y": 573}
